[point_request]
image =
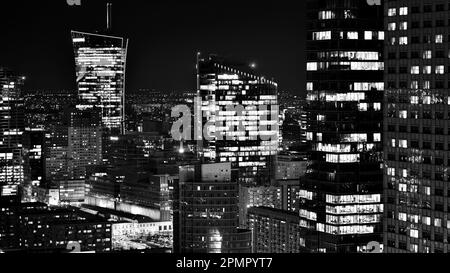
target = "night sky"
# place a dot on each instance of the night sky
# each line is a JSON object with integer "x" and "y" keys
{"x": 164, "y": 38}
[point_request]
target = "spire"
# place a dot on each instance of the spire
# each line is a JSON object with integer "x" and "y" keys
{"x": 109, "y": 17}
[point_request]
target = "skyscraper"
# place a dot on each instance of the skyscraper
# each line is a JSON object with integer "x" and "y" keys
{"x": 416, "y": 127}
{"x": 12, "y": 127}
{"x": 206, "y": 211}
{"x": 240, "y": 110}
{"x": 70, "y": 149}
{"x": 341, "y": 204}
{"x": 100, "y": 69}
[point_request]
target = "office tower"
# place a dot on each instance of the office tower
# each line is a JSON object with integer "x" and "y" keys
{"x": 70, "y": 149}
{"x": 341, "y": 204}
{"x": 100, "y": 70}
{"x": 12, "y": 127}
{"x": 206, "y": 211}
{"x": 274, "y": 231}
{"x": 416, "y": 127}
{"x": 247, "y": 137}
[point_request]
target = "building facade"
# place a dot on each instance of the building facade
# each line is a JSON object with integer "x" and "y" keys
{"x": 206, "y": 211}
{"x": 240, "y": 114}
{"x": 416, "y": 124}
{"x": 275, "y": 231}
{"x": 341, "y": 204}
{"x": 12, "y": 127}
{"x": 100, "y": 70}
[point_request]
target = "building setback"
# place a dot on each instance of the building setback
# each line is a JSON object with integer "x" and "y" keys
{"x": 417, "y": 127}
{"x": 341, "y": 206}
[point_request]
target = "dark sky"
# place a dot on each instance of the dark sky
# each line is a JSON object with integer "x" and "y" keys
{"x": 164, "y": 38}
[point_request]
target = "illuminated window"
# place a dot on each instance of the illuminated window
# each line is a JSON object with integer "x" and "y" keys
{"x": 309, "y": 86}
{"x": 403, "y": 114}
{"x": 352, "y": 35}
{"x": 392, "y": 12}
{"x": 427, "y": 84}
{"x": 392, "y": 26}
{"x": 322, "y": 35}
{"x": 348, "y": 14}
{"x": 377, "y": 106}
{"x": 319, "y": 136}
{"x": 427, "y": 54}
{"x": 438, "y": 222}
{"x": 393, "y": 143}
{"x": 403, "y": 40}
{"x": 377, "y": 137}
{"x": 415, "y": 70}
{"x": 414, "y": 100}
{"x": 381, "y": 35}
{"x": 403, "y": 26}
{"x": 403, "y": 144}
{"x": 426, "y": 220}
{"x": 440, "y": 69}
{"x": 427, "y": 69}
{"x": 368, "y": 35}
{"x": 402, "y": 216}
{"x": 439, "y": 39}
{"x": 403, "y": 11}
{"x": 413, "y": 247}
{"x": 393, "y": 41}
{"x": 311, "y": 67}
{"x": 326, "y": 15}
{"x": 391, "y": 171}
{"x": 363, "y": 107}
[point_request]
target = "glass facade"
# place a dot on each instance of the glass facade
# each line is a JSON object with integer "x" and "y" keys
{"x": 100, "y": 68}
{"x": 416, "y": 124}
{"x": 241, "y": 114}
{"x": 12, "y": 127}
{"x": 340, "y": 197}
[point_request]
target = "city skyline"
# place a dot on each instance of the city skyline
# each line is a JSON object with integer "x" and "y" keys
{"x": 164, "y": 40}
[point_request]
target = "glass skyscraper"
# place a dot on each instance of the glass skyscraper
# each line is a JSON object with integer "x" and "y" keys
{"x": 240, "y": 113}
{"x": 100, "y": 70}
{"x": 341, "y": 196}
{"x": 12, "y": 127}
{"x": 417, "y": 128}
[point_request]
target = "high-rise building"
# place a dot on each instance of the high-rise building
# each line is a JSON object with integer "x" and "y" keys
{"x": 70, "y": 149}
{"x": 240, "y": 112}
{"x": 100, "y": 69}
{"x": 417, "y": 127}
{"x": 206, "y": 211}
{"x": 12, "y": 127}
{"x": 341, "y": 206}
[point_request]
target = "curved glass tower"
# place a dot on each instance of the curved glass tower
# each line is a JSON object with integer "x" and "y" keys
{"x": 100, "y": 69}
